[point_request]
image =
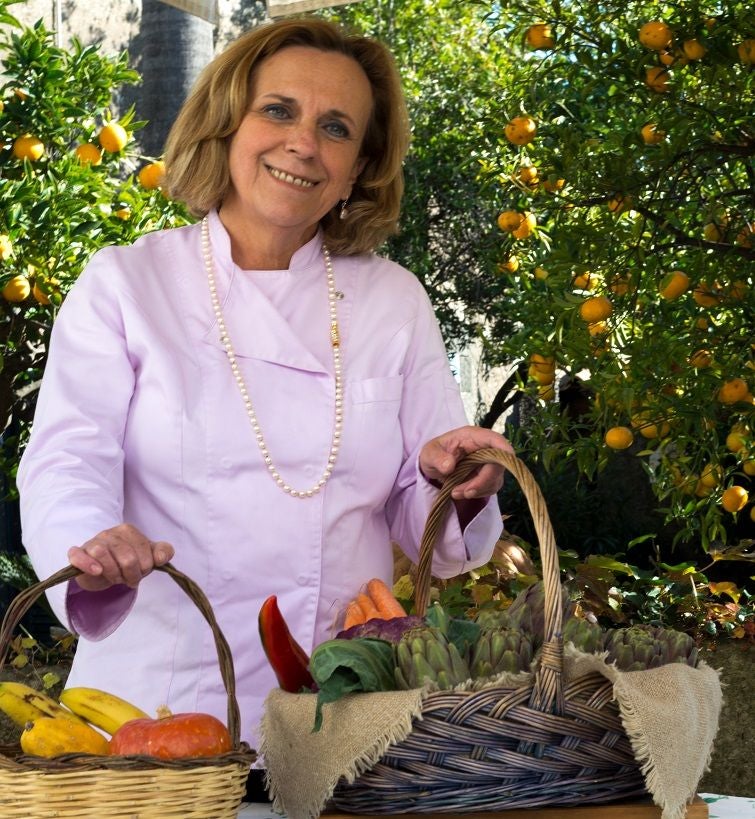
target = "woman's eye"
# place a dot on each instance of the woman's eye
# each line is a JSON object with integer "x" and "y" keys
{"x": 276, "y": 111}
{"x": 337, "y": 129}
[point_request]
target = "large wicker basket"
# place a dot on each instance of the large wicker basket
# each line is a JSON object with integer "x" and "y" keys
{"x": 499, "y": 748}
{"x": 137, "y": 787}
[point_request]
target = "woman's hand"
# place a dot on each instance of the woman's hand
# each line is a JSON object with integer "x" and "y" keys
{"x": 439, "y": 458}
{"x": 118, "y": 555}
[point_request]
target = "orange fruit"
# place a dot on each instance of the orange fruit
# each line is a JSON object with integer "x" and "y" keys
{"x": 657, "y": 77}
{"x": 123, "y": 213}
{"x": 584, "y": 281}
{"x": 113, "y": 137}
{"x": 749, "y": 467}
{"x": 6, "y": 246}
{"x": 621, "y": 285}
{"x": 654, "y": 430}
{"x": 619, "y": 438}
{"x": 744, "y": 237}
{"x": 597, "y": 328}
{"x": 544, "y": 363}
{"x": 16, "y": 289}
{"x": 651, "y": 134}
{"x": 694, "y": 49}
{"x": 527, "y": 175}
{"x": 674, "y": 284}
{"x": 705, "y": 296}
{"x": 546, "y": 392}
{"x": 715, "y": 231}
{"x": 511, "y": 265}
{"x": 89, "y": 154}
{"x": 597, "y": 308}
{"x": 746, "y": 51}
{"x": 526, "y": 226}
{"x": 656, "y": 35}
{"x": 701, "y": 359}
{"x": 735, "y": 440}
{"x": 540, "y": 35}
{"x": 28, "y": 147}
{"x": 509, "y": 220}
{"x": 541, "y": 376}
{"x": 151, "y": 176}
{"x": 734, "y": 499}
{"x": 43, "y": 296}
{"x": 619, "y": 202}
{"x": 541, "y": 273}
{"x": 711, "y": 475}
{"x": 520, "y": 130}
{"x": 553, "y": 184}
{"x": 733, "y": 391}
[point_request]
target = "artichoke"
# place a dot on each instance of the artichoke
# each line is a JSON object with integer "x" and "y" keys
{"x": 425, "y": 655}
{"x": 498, "y": 650}
{"x": 586, "y": 636}
{"x": 638, "y": 647}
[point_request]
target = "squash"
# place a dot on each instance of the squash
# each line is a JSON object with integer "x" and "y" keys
{"x": 52, "y": 736}
{"x": 172, "y": 736}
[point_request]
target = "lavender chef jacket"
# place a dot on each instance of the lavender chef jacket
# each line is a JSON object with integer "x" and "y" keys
{"x": 140, "y": 420}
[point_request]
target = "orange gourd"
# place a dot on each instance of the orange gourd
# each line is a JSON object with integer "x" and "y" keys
{"x": 172, "y": 736}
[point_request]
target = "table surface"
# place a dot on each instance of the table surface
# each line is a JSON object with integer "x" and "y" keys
{"x": 719, "y": 807}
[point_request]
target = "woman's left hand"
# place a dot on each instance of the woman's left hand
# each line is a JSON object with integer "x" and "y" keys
{"x": 439, "y": 458}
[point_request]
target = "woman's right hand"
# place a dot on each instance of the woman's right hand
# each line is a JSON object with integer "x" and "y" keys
{"x": 121, "y": 555}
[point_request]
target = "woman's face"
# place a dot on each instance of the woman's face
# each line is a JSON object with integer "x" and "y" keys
{"x": 297, "y": 150}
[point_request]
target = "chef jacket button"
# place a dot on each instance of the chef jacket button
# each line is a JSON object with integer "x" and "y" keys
{"x": 302, "y": 579}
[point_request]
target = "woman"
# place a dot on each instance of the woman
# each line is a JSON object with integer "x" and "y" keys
{"x": 257, "y": 397}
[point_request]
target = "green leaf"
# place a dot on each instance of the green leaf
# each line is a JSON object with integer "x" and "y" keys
{"x": 341, "y": 667}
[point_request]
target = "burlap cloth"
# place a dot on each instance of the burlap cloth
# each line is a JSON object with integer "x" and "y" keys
{"x": 670, "y": 715}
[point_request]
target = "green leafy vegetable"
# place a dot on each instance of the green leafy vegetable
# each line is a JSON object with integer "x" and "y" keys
{"x": 341, "y": 667}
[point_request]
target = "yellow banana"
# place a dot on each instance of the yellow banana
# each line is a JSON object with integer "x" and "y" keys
{"x": 25, "y": 704}
{"x": 50, "y": 737}
{"x": 101, "y": 709}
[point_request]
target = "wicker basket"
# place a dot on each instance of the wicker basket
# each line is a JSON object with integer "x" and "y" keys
{"x": 499, "y": 748}
{"x": 137, "y": 787}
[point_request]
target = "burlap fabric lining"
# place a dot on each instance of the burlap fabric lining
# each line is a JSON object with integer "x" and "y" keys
{"x": 670, "y": 715}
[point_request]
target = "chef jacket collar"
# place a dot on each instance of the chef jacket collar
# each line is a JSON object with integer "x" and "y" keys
{"x": 256, "y": 328}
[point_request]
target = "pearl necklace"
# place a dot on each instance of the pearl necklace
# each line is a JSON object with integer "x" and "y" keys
{"x": 335, "y": 344}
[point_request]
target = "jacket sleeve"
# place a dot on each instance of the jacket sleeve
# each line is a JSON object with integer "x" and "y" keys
{"x": 70, "y": 478}
{"x": 431, "y": 405}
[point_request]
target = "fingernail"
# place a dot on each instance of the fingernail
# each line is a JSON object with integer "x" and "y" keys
{"x": 160, "y": 556}
{"x": 95, "y": 568}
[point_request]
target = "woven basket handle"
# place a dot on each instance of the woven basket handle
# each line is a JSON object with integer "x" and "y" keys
{"x": 26, "y": 599}
{"x": 548, "y": 678}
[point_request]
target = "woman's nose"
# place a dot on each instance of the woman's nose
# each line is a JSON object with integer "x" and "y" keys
{"x": 302, "y": 139}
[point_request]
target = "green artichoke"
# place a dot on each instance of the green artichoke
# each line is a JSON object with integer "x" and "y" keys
{"x": 638, "y": 647}
{"x": 586, "y": 636}
{"x": 425, "y": 655}
{"x": 498, "y": 650}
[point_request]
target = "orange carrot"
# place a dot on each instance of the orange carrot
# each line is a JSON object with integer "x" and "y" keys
{"x": 384, "y": 600}
{"x": 368, "y": 607}
{"x": 354, "y": 615}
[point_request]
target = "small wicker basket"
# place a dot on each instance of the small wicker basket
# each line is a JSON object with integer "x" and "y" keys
{"x": 540, "y": 745}
{"x": 133, "y": 787}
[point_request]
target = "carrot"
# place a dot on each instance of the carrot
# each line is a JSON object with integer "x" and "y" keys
{"x": 384, "y": 600}
{"x": 354, "y": 615}
{"x": 368, "y": 607}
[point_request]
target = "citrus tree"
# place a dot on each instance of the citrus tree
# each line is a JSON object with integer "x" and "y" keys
{"x": 623, "y": 169}
{"x": 71, "y": 181}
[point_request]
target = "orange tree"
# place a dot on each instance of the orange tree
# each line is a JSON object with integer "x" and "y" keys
{"x": 623, "y": 167}
{"x": 69, "y": 184}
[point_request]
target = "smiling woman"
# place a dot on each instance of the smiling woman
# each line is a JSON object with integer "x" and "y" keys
{"x": 258, "y": 397}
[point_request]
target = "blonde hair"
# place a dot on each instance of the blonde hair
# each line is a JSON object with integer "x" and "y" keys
{"x": 196, "y": 153}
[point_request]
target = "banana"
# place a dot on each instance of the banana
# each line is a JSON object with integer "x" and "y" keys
{"x": 48, "y": 736}
{"x": 25, "y": 704}
{"x": 101, "y": 709}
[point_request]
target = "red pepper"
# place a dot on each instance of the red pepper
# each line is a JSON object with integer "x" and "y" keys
{"x": 287, "y": 658}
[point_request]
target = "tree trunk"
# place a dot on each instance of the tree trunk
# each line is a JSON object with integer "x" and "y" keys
{"x": 172, "y": 48}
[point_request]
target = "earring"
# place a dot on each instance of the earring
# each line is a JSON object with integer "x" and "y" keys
{"x": 344, "y": 210}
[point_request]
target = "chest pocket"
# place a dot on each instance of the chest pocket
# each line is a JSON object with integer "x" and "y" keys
{"x": 372, "y": 437}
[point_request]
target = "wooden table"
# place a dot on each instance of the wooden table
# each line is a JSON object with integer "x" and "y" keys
{"x": 643, "y": 809}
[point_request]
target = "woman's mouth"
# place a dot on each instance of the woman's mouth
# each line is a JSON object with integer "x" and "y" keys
{"x": 290, "y": 179}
